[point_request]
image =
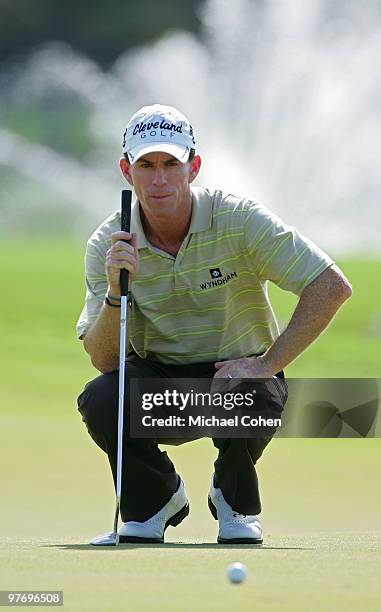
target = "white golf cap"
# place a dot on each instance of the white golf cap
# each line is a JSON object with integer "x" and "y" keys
{"x": 158, "y": 128}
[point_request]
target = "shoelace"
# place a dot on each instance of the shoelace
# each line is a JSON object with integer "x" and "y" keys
{"x": 244, "y": 518}
{"x": 236, "y": 515}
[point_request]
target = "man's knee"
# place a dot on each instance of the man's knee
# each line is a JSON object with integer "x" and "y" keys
{"x": 236, "y": 448}
{"x": 99, "y": 400}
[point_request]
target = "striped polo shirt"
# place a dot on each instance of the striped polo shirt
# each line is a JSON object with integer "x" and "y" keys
{"x": 209, "y": 302}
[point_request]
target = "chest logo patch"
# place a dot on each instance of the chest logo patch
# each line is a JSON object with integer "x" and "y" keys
{"x": 218, "y": 279}
{"x": 215, "y": 272}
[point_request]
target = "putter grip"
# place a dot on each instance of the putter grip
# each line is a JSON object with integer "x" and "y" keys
{"x": 125, "y": 227}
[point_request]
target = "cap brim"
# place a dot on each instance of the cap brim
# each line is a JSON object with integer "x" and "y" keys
{"x": 181, "y": 153}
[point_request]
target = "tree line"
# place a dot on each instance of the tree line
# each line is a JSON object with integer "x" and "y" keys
{"x": 102, "y": 29}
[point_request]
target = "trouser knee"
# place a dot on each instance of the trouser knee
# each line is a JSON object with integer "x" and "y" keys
{"x": 98, "y": 402}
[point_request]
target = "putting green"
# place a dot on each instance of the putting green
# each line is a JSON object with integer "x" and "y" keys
{"x": 297, "y": 572}
{"x": 321, "y": 521}
{"x": 321, "y": 498}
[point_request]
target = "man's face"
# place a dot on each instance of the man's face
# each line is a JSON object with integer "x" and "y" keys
{"x": 161, "y": 182}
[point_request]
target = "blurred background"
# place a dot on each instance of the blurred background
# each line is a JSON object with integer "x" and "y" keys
{"x": 284, "y": 97}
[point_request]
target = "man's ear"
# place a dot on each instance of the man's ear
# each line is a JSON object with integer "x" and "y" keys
{"x": 195, "y": 165}
{"x": 125, "y": 167}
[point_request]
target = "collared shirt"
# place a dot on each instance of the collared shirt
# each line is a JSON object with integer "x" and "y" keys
{"x": 210, "y": 302}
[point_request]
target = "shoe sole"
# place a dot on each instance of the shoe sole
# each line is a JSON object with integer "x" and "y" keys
{"x": 251, "y": 541}
{"x": 213, "y": 510}
{"x": 173, "y": 521}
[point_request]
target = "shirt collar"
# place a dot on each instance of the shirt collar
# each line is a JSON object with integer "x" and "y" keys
{"x": 201, "y": 210}
{"x": 200, "y": 221}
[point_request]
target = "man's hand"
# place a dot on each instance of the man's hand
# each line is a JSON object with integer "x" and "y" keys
{"x": 121, "y": 255}
{"x": 246, "y": 367}
{"x": 237, "y": 369}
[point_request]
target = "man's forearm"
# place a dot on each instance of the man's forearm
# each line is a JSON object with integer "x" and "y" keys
{"x": 317, "y": 306}
{"x": 102, "y": 339}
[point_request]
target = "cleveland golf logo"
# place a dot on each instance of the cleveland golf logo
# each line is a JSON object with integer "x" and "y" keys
{"x": 156, "y": 125}
{"x": 218, "y": 278}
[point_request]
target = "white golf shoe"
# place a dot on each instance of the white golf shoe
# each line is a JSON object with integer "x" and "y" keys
{"x": 234, "y": 528}
{"x": 152, "y": 530}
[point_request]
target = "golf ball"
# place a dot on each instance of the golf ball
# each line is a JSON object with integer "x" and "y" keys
{"x": 236, "y": 572}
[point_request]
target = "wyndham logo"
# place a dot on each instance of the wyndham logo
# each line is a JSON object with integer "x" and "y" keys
{"x": 218, "y": 279}
{"x": 215, "y": 272}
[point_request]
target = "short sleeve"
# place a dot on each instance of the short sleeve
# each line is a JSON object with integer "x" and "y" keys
{"x": 279, "y": 253}
{"x": 96, "y": 286}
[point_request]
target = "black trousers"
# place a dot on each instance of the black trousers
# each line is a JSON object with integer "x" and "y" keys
{"x": 149, "y": 478}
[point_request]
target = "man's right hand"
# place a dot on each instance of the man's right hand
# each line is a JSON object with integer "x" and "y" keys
{"x": 121, "y": 255}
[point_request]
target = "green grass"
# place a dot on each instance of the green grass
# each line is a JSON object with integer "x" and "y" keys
{"x": 321, "y": 520}
{"x": 63, "y": 127}
{"x": 292, "y": 573}
{"x": 321, "y": 498}
{"x": 351, "y": 346}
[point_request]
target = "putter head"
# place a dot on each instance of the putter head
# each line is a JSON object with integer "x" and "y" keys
{"x": 108, "y": 539}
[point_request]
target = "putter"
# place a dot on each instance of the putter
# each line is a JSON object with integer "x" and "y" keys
{"x": 112, "y": 539}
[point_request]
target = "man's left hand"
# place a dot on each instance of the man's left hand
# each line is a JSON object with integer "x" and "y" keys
{"x": 236, "y": 369}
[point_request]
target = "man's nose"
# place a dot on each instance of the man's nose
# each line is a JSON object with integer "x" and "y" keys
{"x": 159, "y": 176}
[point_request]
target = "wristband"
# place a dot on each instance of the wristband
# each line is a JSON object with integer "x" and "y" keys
{"x": 107, "y": 301}
{"x": 112, "y": 297}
